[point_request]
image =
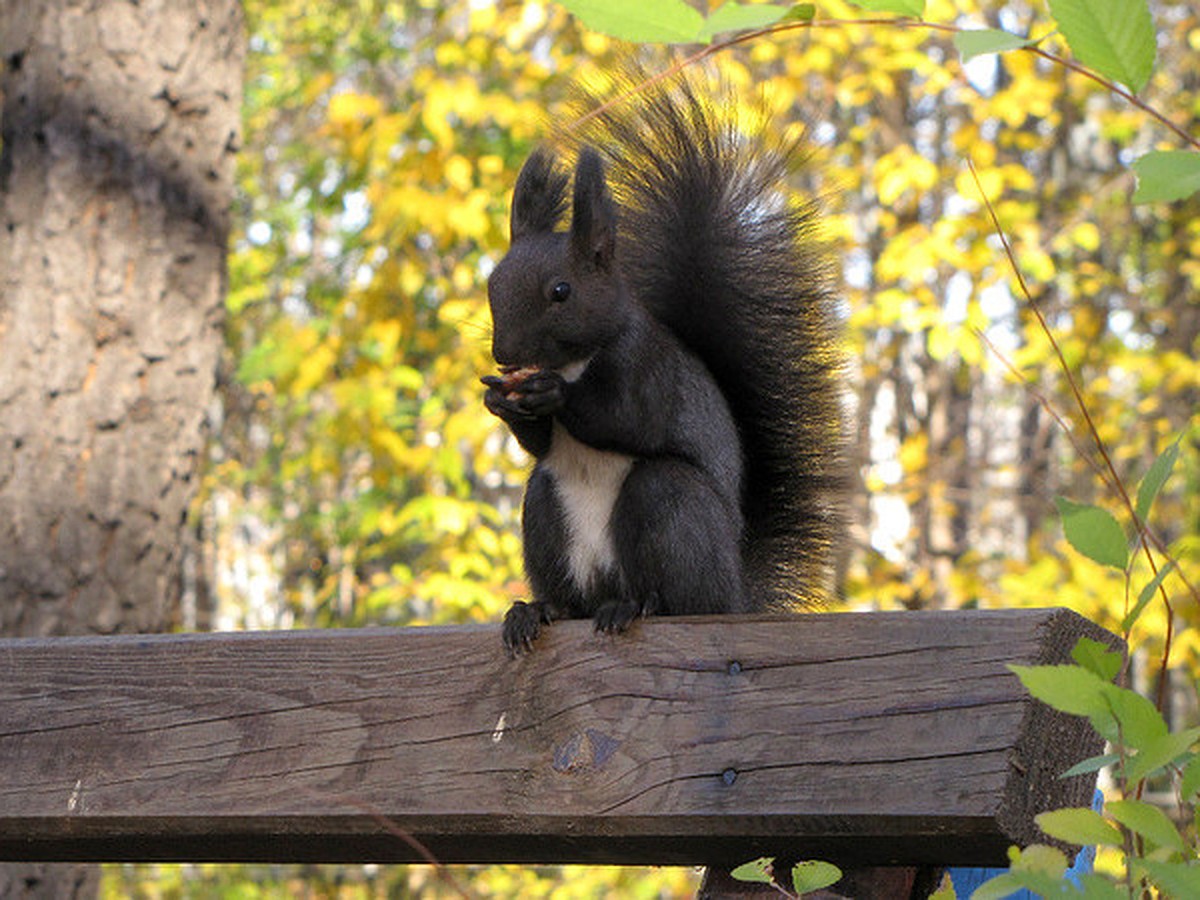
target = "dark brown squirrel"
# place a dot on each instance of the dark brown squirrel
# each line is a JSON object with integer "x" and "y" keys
{"x": 672, "y": 362}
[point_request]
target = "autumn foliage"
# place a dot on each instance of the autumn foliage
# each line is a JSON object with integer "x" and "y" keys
{"x": 356, "y": 477}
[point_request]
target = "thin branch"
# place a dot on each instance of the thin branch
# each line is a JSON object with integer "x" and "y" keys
{"x": 392, "y": 828}
{"x": 1071, "y": 65}
{"x": 1115, "y": 482}
{"x": 1049, "y": 407}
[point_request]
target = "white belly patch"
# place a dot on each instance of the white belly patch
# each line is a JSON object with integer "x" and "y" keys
{"x": 587, "y": 482}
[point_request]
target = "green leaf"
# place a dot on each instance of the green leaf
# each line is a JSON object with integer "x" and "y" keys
{"x": 1149, "y": 821}
{"x": 1161, "y": 752}
{"x": 915, "y": 8}
{"x": 1042, "y": 859}
{"x": 1116, "y": 38}
{"x": 1189, "y": 785}
{"x": 1037, "y": 868}
{"x": 1091, "y": 764}
{"x": 814, "y": 875}
{"x": 758, "y": 870}
{"x": 1096, "y": 657}
{"x": 1082, "y": 827}
{"x": 1094, "y": 533}
{"x": 740, "y": 17}
{"x": 1141, "y": 722}
{"x": 1166, "y": 175}
{"x": 663, "y": 21}
{"x": 1146, "y": 596}
{"x": 1179, "y": 880}
{"x": 997, "y": 888}
{"x": 1075, "y": 690}
{"x": 801, "y": 12}
{"x": 1068, "y": 689}
{"x": 982, "y": 41}
{"x": 1160, "y": 469}
{"x": 1098, "y": 887}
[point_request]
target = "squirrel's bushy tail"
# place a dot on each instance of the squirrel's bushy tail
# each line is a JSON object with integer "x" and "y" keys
{"x": 713, "y": 242}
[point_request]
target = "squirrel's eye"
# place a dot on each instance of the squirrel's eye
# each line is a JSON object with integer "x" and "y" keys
{"x": 560, "y": 292}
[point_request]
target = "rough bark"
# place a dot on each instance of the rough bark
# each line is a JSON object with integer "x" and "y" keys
{"x": 119, "y": 128}
{"x": 119, "y": 125}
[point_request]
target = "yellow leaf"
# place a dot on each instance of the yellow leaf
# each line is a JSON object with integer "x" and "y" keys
{"x": 940, "y": 342}
{"x": 914, "y": 453}
{"x": 902, "y": 170}
{"x": 393, "y": 445}
{"x": 317, "y": 86}
{"x": 350, "y": 108}
{"x": 991, "y": 182}
{"x": 312, "y": 369}
{"x": 1087, "y": 236}
{"x": 459, "y": 173}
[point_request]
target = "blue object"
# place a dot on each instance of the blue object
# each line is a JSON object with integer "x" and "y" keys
{"x": 965, "y": 881}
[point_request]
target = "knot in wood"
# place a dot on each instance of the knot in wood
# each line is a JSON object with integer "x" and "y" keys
{"x": 584, "y": 750}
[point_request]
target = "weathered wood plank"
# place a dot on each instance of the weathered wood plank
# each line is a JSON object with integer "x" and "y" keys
{"x": 868, "y": 739}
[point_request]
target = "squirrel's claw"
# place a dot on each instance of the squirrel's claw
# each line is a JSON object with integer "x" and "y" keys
{"x": 522, "y": 624}
{"x": 615, "y": 617}
{"x": 498, "y": 404}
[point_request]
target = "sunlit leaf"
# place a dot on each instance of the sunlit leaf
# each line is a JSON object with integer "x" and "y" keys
{"x": 663, "y": 21}
{"x": 1097, "y": 657}
{"x": 1160, "y": 469}
{"x": 1116, "y": 38}
{"x": 1166, "y": 175}
{"x": 1037, "y": 868}
{"x": 1082, "y": 827}
{"x": 1141, "y": 722}
{"x": 758, "y": 870}
{"x": 1177, "y": 880}
{"x": 814, "y": 875}
{"x": 1069, "y": 689}
{"x": 1161, "y": 752}
{"x": 731, "y": 16}
{"x": 980, "y": 42}
{"x": 914, "y": 8}
{"x": 800, "y": 12}
{"x": 1147, "y": 820}
{"x": 1094, "y": 533}
{"x": 1146, "y": 595}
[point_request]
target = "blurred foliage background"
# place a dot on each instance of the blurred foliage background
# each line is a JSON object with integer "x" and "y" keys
{"x": 355, "y": 478}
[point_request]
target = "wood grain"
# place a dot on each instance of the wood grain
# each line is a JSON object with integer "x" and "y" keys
{"x": 867, "y": 739}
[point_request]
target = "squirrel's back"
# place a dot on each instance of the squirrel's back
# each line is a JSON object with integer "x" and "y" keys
{"x": 716, "y": 246}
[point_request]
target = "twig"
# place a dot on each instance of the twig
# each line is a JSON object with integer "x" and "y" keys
{"x": 1115, "y": 480}
{"x": 392, "y": 828}
{"x": 784, "y": 27}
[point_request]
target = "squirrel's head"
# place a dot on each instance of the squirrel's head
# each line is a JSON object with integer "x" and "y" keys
{"x": 557, "y": 296}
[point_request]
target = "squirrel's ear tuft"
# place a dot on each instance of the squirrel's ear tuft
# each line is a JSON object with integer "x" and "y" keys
{"x": 540, "y": 197}
{"x": 593, "y": 218}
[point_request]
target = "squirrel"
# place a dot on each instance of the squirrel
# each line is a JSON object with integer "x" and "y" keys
{"x": 672, "y": 363}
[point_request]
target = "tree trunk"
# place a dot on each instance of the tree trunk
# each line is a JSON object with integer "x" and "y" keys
{"x": 119, "y": 126}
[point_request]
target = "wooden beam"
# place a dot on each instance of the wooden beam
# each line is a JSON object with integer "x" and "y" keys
{"x": 867, "y": 739}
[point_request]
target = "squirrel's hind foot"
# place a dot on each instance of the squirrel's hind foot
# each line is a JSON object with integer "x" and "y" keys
{"x": 616, "y": 616}
{"x": 522, "y": 624}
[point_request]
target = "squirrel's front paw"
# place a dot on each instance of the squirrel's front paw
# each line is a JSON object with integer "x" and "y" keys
{"x": 522, "y": 623}
{"x": 503, "y": 404}
{"x": 615, "y": 617}
{"x": 541, "y": 394}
